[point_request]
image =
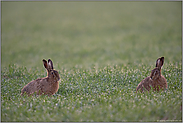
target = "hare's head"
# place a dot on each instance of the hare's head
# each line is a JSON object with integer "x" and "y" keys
{"x": 53, "y": 74}
{"x": 155, "y": 73}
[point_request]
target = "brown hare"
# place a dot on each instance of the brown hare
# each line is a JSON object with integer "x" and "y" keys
{"x": 155, "y": 80}
{"x": 47, "y": 86}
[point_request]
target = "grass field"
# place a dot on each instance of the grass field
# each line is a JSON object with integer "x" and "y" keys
{"x": 102, "y": 50}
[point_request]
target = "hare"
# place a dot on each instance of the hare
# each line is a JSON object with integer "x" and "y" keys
{"x": 155, "y": 80}
{"x": 47, "y": 86}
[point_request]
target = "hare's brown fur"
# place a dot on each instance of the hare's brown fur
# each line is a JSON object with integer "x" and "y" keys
{"x": 155, "y": 81}
{"x": 41, "y": 86}
{"x": 47, "y": 86}
{"x": 148, "y": 83}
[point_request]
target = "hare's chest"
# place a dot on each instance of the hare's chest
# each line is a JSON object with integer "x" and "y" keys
{"x": 52, "y": 87}
{"x": 158, "y": 84}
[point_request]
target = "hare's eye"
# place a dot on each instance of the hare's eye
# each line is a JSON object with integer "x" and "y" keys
{"x": 156, "y": 72}
{"x": 52, "y": 72}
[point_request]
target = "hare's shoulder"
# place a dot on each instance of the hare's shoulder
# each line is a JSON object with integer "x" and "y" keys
{"x": 162, "y": 77}
{"x": 163, "y": 81}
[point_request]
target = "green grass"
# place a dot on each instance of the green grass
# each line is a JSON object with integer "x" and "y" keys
{"x": 102, "y": 50}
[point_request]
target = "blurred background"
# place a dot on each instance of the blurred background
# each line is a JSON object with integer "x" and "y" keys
{"x": 90, "y": 33}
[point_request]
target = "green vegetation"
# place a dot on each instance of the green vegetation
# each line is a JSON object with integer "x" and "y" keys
{"x": 102, "y": 50}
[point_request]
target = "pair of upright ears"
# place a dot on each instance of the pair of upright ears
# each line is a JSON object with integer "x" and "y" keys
{"x": 48, "y": 65}
{"x": 159, "y": 62}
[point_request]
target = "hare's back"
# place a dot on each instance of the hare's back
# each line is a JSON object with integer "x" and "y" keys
{"x": 145, "y": 83}
{"x": 31, "y": 87}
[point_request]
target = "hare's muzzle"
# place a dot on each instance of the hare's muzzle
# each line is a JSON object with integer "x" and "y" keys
{"x": 56, "y": 76}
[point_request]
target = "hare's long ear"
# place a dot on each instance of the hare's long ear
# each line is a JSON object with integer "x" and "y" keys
{"x": 50, "y": 64}
{"x": 45, "y": 64}
{"x": 159, "y": 62}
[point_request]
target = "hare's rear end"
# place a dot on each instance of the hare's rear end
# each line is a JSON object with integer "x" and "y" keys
{"x": 30, "y": 88}
{"x": 48, "y": 85}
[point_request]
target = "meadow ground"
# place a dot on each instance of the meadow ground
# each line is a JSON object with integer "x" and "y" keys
{"x": 102, "y": 50}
